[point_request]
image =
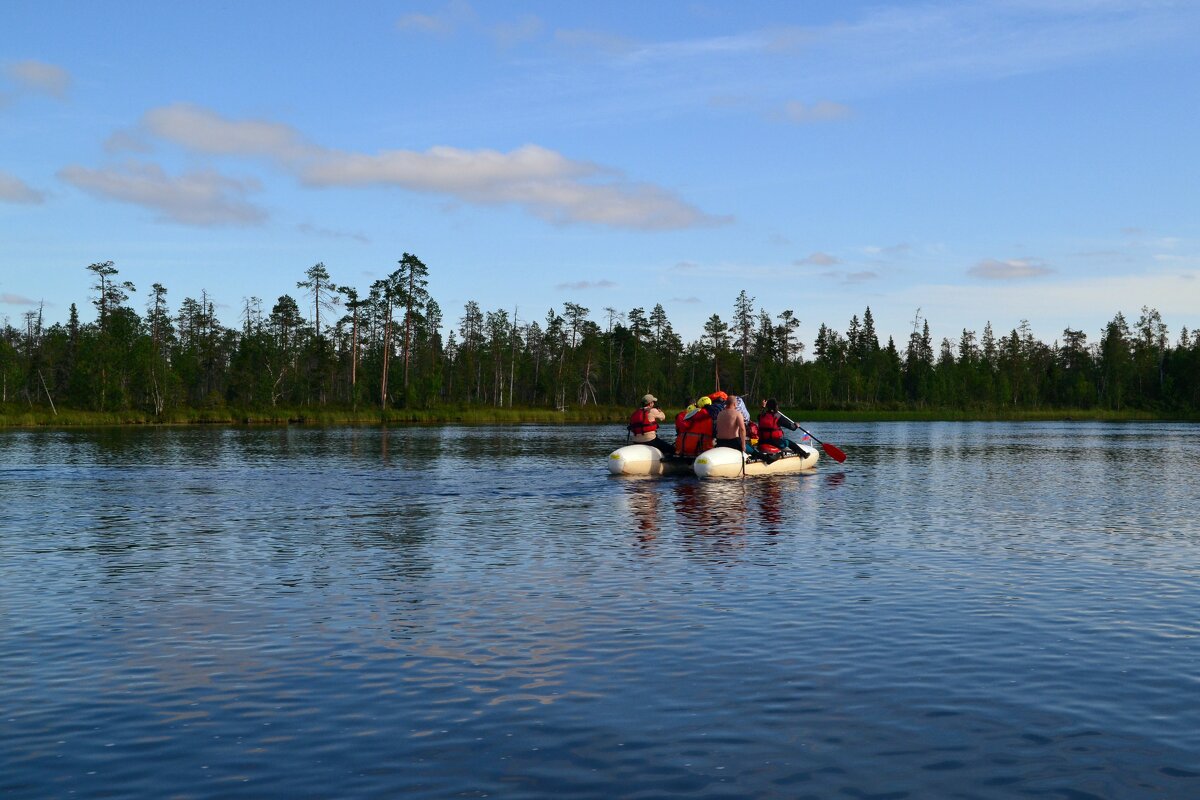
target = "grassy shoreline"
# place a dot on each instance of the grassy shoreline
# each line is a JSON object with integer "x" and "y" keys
{"x": 482, "y": 415}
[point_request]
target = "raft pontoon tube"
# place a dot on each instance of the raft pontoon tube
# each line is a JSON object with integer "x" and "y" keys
{"x": 644, "y": 459}
{"x": 725, "y": 462}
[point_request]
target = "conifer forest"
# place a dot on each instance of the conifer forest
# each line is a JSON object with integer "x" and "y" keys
{"x": 324, "y": 344}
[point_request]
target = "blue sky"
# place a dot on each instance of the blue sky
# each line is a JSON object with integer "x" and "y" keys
{"x": 997, "y": 160}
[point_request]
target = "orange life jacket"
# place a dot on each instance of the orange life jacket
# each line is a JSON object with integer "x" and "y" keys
{"x": 696, "y": 435}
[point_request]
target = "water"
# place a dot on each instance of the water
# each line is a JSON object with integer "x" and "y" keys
{"x": 961, "y": 610}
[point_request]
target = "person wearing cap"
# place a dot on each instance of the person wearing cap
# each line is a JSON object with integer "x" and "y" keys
{"x": 731, "y": 427}
{"x": 643, "y": 424}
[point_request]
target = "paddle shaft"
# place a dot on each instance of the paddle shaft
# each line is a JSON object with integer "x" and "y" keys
{"x": 835, "y": 452}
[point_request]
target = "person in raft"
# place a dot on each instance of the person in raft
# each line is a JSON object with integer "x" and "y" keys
{"x": 731, "y": 427}
{"x": 696, "y": 430}
{"x": 770, "y": 427}
{"x": 643, "y": 424}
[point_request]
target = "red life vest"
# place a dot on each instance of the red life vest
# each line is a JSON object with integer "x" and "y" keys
{"x": 640, "y": 422}
{"x": 769, "y": 431}
{"x": 679, "y": 418}
{"x": 696, "y": 435}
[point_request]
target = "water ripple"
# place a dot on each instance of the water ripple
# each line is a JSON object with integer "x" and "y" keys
{"x": 961, "y": 610}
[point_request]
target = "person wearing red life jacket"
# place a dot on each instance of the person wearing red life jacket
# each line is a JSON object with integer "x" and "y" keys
{"x": 697, "y": 431}
{"x": 689, "y": 406}
{"x": 643, "y": 424}
{"x": 770, "y": 427}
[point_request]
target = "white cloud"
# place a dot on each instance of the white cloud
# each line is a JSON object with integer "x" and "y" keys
{"x": 818, "y": 259}
{"x": 822, "y": 111}
{"x": 205, "y": 131}
{"x": 200, "y": 198}
{"x": 446, "y": 169}
{"x": 15, "y": 190}
{"x": 542, "y": 181}
{"x": 1012, "y": 269}
{"x": 38, "y": 76}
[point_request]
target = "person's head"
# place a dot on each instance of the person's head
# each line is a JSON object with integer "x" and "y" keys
{"x": 649, "y": 400}
{"x": 732, "y": 401}
{"x": 719, "y": 395}
{"x": 772, "y": 405}
{"x": 704, "y": 401}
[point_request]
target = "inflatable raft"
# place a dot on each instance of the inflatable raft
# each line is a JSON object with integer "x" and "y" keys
{"x": 643, "y": 459}
{"x": 725, "y": 462}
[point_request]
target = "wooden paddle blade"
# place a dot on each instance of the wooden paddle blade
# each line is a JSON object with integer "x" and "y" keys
{"x": 834, "y": 452}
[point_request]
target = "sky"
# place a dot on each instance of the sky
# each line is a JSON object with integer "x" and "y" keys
{"x": 955, "y": 162}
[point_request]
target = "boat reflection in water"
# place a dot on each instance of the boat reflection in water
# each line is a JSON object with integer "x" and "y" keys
{"x": 722, "y": 509}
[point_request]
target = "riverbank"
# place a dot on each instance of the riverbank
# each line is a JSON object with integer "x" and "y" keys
{"x": 481, "y": 415}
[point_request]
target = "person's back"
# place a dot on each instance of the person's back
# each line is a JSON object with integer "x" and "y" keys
{"x": 730, "y": 423}
{"x": 731, "y": 427}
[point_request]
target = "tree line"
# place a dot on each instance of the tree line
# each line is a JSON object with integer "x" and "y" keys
{"x": 331, "y": 345}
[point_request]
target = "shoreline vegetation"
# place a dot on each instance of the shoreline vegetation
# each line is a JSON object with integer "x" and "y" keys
{"x": 388, "y": 356}
{"x": 486, "y": 415}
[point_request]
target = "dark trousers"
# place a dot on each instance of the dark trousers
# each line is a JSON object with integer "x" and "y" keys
{"x": 666, "y": 449}
{"x": 736, "y": 444}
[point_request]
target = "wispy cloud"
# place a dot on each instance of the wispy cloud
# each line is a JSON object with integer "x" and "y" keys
{"x": 585, "y": 285}
{"x": 204, "y": 131}
{"x": 1012, "y": 269}
{"x": 822, "y": 111}
{"x": 204, "y": 198}
{"x": 872, "y": 48}
{"x": 38, "y": 76}
{"x": 691, "y": 301}
{"x": 843, "y": 276}
{"x": 328, "y": 233}
{"x": 544, "y": 182}
{"x": 523, "y": 29}
{"x": 901, "y": 249}
{"x": 17, "y": 300}
{"x": 594, "y": 42}
{"x": 443, "y": 21}
{"x": 15, "y": 190}
{"x": 818, "y": 259}
{"x": 126, "y": 142}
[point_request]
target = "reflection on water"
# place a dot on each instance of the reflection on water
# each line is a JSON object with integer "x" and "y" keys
{"x": 965, "y": 610}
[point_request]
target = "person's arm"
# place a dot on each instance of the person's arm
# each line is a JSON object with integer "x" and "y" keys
{"x": 741, "y": 428}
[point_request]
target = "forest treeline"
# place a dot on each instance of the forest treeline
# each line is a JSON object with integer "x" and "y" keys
{"x": 330, "y": 345}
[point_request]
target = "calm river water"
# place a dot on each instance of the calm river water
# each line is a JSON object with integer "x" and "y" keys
{"x": 960, "y": 610}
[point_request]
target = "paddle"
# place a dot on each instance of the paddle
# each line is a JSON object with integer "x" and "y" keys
{"x": 834, "y": 452}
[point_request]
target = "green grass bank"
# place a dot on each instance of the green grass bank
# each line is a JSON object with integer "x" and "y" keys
{"x": 38, "y": 417}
